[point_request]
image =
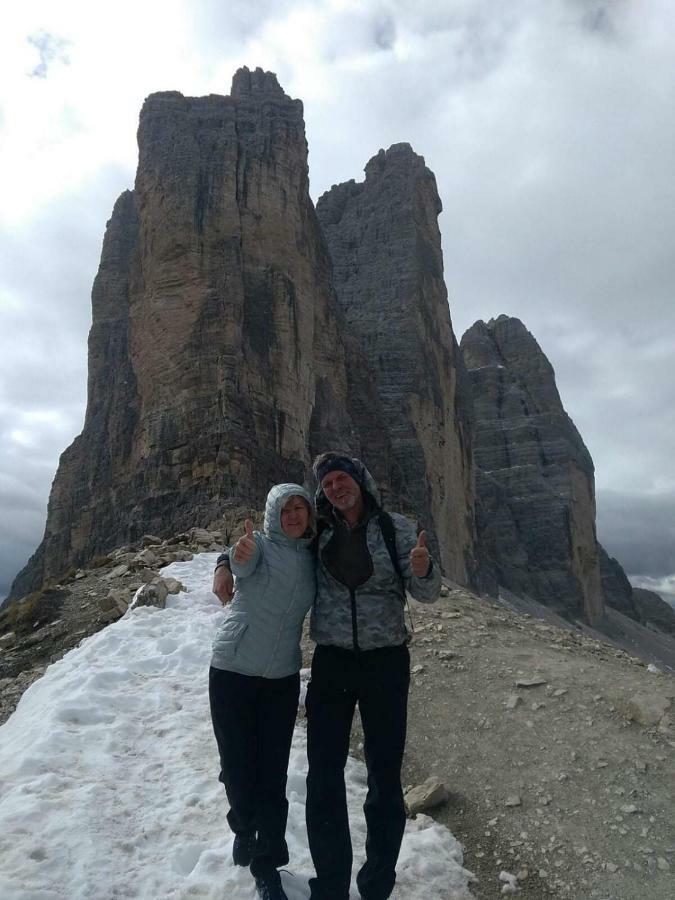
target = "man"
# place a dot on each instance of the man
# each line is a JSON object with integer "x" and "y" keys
{"x": 366, "y": 559}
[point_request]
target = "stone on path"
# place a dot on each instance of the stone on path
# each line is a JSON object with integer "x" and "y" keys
{"x": 430, "y": 793}
{"x": 646, "y": 709}
{"x": 530, "y": 682}
{"x": 153, "y": 594}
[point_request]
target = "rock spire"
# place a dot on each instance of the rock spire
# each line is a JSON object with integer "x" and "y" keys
{"x": 220, "y": 359}
{"x": 535, "y": 477}
{"x": 385, "y": 245}
{"x": 216, "y": 361}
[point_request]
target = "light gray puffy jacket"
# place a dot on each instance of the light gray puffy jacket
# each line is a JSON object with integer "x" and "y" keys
{"x": 273, "y": 591}
{"x": 372, "y": 615}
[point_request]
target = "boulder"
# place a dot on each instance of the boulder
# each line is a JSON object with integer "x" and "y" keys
{"x": 202, "y": 537}
{"x": 173, "y": 586}
{"x": 120, "y": 598}
{"x": 178, "y": 556}
{"x": 427, "y": 795}
{"x": 646, "y": 709}
{"x": 7, "y": 640}
{"x": 153, "y": 594}
{"x": 111, "y": 615}
{"x": 146, "y": 558}
{"x": 117, "y": 572}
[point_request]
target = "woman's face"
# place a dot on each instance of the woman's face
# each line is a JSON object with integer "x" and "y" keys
{"x": 295, "y": 517}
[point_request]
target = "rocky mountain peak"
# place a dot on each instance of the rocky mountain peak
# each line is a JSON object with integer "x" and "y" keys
{"x": 216, "y": 363}
{"x": 535, "y": 483}
{"x": 220, "y": 358}
{"x": 394, "y": 167}
{"x": 505, "y": 342}
{"x": 397, "y": 155}
{"x": 385, "y": 245}
{"x": 257, "y": 82}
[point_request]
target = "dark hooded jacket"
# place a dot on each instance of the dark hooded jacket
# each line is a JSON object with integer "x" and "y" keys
{"x": 366, "y": 611}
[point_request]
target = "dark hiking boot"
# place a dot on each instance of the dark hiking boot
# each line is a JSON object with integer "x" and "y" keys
{"x": 269, "y": 887}
{"x": 242, "y": 849}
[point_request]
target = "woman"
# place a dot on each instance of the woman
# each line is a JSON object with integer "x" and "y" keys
{"x": 254, "y": 679}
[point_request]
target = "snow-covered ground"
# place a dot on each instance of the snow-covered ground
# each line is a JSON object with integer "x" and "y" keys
{"x": 109, "y": 775}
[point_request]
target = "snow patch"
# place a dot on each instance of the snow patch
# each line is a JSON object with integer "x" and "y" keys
{"x": 109, "y": 775}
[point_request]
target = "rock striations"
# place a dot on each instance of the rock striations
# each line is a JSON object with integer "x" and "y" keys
{"x": 220, "y": 361}
{"x": 237, "y": 331}
{"x": 385, "y": 244}
{"x": 216, "y": 361}
{"x": 535, "y": 496}
{"x": 535, "y": 481}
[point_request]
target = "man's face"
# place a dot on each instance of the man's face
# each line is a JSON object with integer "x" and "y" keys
{"x": 341, "y": 490}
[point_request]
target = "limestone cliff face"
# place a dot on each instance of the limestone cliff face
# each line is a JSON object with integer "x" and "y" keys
{"x": 535, "y": 478}
{"x": 616, "y": 587}
{"x": 388, "y": 272}
{"x": 216, "y": 362}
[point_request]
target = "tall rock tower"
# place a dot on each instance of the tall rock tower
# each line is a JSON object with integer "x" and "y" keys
{"x": 230, "y": 343}
{"x": 216, "y": 361}
{"x": 535, "y": 479}
{"x": 388, "y": 273}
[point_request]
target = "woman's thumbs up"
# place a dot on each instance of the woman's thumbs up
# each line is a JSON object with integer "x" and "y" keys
{"x": 245, "y": 546}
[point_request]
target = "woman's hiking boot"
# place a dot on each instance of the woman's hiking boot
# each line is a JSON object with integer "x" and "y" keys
{"x": 269, "y": 886}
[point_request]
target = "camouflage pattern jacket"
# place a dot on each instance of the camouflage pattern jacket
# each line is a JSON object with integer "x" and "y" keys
{"x": 372, "y": 614}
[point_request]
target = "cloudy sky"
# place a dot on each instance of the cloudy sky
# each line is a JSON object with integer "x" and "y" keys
{"x": 550, "y": 128}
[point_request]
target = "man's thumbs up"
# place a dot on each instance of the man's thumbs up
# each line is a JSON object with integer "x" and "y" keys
{"x": 245, "y": 546}
{"x": 419, "y": 557}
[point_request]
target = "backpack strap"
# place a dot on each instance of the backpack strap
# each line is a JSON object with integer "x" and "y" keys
{"x": 388, "y": 530}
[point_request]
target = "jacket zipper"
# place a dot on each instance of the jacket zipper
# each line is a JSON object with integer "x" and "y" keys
{"x": 355, "y": 629}
{"x": 291, "y": 603}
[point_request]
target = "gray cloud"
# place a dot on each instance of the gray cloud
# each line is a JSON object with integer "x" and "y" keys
{"x": 600, "y": 15}
{"x": 51, "y": 48}
{"x": 46, "y": 273}
{"x": 217, "y": 26}
{"x": 384, "y": 32}
{"x": 550, "y": 130}
{"x": 639, "y": 531}
{"x": 22, "y": 521}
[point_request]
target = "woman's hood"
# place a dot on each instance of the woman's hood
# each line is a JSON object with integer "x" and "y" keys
{"x": 278, "y": 496}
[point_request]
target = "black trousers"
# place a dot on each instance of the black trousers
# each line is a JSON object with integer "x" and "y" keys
{"x": 378, "y": 680}
{"x": 253, "y": 721}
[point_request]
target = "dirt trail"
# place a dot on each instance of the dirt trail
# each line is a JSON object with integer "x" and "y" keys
{"x": 550, "y": 781}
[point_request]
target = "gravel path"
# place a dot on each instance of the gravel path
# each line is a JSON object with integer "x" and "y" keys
{"x": 549, "y": 780}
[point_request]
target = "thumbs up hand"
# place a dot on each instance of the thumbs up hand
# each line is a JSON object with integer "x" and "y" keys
{"x": 245, "y": 546}
{"x": 419, "y": 557}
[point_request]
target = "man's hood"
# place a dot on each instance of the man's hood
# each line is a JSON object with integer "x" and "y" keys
{"x": 371, "y": 493}
{"x": 277, "y": 497}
